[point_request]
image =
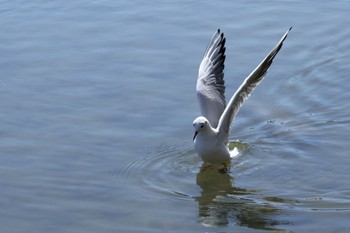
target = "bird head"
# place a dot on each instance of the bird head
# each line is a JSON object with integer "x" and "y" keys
{"x": 200, "y": 123}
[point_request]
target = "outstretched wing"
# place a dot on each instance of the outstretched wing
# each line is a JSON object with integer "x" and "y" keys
{"x": 210, "y": 83}
{"x": 246, "y": 89}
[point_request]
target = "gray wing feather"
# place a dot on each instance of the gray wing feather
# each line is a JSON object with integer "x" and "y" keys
{"x": 246, "y": 88}
{"x": 210, "y": 83}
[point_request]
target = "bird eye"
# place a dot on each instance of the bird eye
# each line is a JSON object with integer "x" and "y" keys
{"x": 202, "y": 126}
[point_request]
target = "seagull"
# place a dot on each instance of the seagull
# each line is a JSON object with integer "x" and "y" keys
{"x": 212, "y": 129}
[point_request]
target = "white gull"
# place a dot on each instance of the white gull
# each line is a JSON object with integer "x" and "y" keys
{"x": 212, "y": 129}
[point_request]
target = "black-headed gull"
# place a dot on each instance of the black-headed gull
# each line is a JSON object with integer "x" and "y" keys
{"x": 212, "y": 129}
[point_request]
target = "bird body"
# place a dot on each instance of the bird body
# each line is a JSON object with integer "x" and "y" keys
{"x": 207, "y": 143}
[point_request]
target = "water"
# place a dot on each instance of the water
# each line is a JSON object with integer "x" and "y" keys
{"x": 97, "y": 100}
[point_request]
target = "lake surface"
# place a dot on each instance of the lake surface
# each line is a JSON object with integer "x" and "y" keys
{"x": 97, "y": 101}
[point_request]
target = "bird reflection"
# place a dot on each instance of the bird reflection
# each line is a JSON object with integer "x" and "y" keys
{"x": 221, "y": 203}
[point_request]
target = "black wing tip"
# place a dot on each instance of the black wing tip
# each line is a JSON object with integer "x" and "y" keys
{"x": 220, "y": 33}
{"x": 280, "y": 44}
{"x": 222, "y": 42}
{"x": 286, "y": 34}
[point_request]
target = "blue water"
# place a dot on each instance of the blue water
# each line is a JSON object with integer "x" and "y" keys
{"x": 97, "y": 101}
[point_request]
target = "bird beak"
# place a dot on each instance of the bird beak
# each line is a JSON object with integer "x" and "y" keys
{"x": 195, "y": 135}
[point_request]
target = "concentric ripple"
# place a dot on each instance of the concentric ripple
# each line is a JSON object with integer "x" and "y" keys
{"x": 168, "y": 173}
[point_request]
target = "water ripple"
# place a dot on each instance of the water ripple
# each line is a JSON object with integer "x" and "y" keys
{"x": 166, "y": 174}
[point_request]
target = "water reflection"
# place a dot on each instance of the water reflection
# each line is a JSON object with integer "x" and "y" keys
{"x": 220, "y": 203}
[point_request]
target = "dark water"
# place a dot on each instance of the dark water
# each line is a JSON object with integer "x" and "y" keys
{"x": 97, "y": 101}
